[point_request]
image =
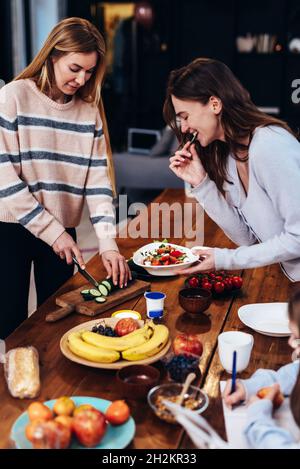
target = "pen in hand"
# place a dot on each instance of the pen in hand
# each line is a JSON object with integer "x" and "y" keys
{"x": 233, "y": 380}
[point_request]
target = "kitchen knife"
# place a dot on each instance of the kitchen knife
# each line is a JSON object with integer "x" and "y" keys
{"x": 85, "y": 274}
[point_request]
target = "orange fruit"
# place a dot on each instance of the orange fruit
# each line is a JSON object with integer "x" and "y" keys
{"x": 39, "y": 411}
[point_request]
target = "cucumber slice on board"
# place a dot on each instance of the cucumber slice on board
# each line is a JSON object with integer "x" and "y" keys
{"x": 87, "y": 296}
{"x": 100, "y": 299}
{"x": 107, "y": 284}
{"x": 94, "y": 292}
{"x": 103, "y": 290}
{"x": 85, "y": 292}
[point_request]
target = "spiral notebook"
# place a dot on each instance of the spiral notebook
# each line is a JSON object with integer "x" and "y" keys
{"x": 235, "y": 422}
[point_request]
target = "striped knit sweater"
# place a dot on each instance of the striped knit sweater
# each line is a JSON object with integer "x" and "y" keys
{"x": 53, "y": 156}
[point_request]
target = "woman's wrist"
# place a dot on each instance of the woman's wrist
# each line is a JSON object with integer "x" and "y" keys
{"x": 198, "y": 180}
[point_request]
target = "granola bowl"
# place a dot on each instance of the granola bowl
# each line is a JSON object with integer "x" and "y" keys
{"x": 195, "y": 399}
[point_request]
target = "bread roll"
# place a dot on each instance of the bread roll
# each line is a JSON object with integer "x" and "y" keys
{"x": 22, "y": 372}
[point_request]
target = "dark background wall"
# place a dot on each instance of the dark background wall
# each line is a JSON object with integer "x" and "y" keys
{"x": 183, "y": 30}
{"x": 186, "y": 29}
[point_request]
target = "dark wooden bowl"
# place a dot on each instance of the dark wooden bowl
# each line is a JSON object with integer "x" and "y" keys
{"x": 194, "y": 300}
{"x": 135, "y": 381}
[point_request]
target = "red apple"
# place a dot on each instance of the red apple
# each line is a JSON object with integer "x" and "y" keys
{"x": 125, "y": 326}
{"x": 89, "y": 427}
{"x": 278, "y": 400}
{"x": 187, "y": 344}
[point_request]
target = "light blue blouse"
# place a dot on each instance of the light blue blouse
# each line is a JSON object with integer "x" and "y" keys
{"x": 262, "y": 430}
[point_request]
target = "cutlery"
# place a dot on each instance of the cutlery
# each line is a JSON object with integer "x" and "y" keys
{"x": 85, "y": 274}
{"x": 190, "y": 377}
{"x": 200, "y": 431}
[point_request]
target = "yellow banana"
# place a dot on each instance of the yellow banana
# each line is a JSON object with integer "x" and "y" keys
{"x": 151, "y": 347}
{"x": 90, "y": 352}
{"x": 135, "y": 338}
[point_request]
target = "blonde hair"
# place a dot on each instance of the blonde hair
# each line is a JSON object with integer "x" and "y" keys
{"x": 80, "y": 36}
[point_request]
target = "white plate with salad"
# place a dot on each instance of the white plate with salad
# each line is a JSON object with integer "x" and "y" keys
{"x": 163, "y": 258}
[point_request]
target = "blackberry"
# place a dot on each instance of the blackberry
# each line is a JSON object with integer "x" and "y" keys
{"x": 104, "y": 330}
{"x": 181, "y": 365}
{"x": 109, "y": 332}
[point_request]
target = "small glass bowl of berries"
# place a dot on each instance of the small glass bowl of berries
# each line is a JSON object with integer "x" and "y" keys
{"x": 179, "y": 366}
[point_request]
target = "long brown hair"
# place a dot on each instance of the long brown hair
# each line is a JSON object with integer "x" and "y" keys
{"x": 80, "y": 36}
{"x": 200, "y": 80}
{"x": 294, "y": 315}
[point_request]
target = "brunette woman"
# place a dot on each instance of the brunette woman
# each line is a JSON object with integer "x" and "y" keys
{"x": 244, "y": 168}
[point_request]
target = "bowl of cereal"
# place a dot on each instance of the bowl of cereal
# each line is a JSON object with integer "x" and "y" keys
{"x": 194, "y": 399}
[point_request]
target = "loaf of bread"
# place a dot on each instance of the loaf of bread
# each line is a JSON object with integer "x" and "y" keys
{"x": 22, "y": 372}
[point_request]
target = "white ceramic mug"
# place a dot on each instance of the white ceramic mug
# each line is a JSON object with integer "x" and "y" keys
{"x": 230, "y": 341}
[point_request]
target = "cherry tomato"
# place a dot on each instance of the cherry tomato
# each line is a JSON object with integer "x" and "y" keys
{"x": 194, "y": 282}
{"x": 219, "y": 278}
{"x": 219, "y": 287}
{"x": 206, "y": 285}
{"x": 237, "y": 281}
{"x": 212, "y": 275}
{"x": 172, "y": 259}
{"x": 155, "y": 262}
{"x": 165, "y": 257}
{"x": 228, "y": 283}
{"x": 177, "y": 253}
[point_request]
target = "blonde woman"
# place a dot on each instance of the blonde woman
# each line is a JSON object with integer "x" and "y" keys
{"x": 55, "y": 153}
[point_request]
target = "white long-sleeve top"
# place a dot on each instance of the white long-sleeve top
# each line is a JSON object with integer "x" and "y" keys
{"x": 262, "y": 431}
{"x": 269, "y": 213}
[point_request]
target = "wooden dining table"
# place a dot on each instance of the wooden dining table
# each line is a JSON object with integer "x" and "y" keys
{"x": 60, "y": 376}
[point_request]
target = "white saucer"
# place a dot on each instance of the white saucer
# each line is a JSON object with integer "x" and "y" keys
{"x": 266, "y": 318}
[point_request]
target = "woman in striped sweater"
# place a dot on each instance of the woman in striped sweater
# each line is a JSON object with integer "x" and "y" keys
{"x": 54, "y": 153}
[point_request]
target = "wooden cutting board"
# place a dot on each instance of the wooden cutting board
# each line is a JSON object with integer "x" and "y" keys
{"x": 73, "y": 301}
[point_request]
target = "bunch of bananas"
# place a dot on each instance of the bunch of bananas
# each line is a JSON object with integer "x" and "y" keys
{"x": 138, "y": 345}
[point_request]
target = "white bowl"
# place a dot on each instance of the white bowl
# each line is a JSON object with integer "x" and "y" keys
{"x": 164, "y": 269}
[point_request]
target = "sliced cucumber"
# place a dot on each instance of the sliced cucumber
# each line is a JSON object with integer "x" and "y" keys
{"x": 85, "y": 292}
{"x": 87, "y": 296}
{"x": 100, "y": 299}
{"x": 103, "y": 290}
{"x": 107, "y": 284}
{"x": 94, "y": 292}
